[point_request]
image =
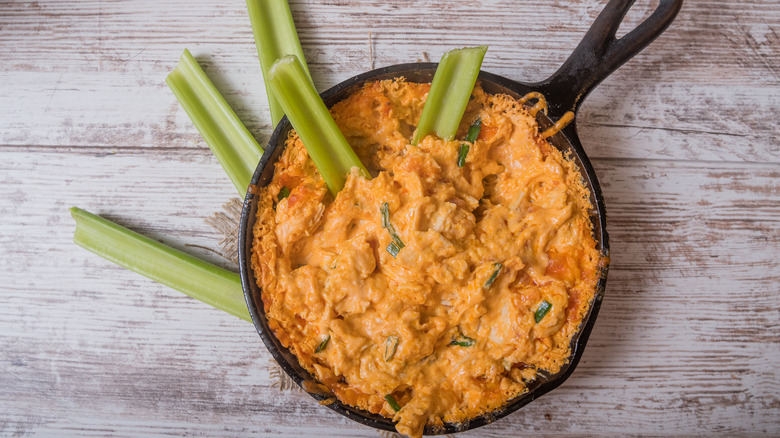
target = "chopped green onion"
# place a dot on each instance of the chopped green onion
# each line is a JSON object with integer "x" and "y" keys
{"x": 283, "y": 193}
{"x": 393, "y": 404}
{"x": 394, "y": 248}
{"x": 462, "y": 340}
{"x": 323, "y": 344}
{"x": 199, "y": 279}
{"x": 228, "y": 138}
{"x": 496, "y": 270}
{"x": 391, "y": 345}
{"x": 396, "y": 245}
{"x": 385, "y": 211}
{"x": 471, "y": 137}
{"x": 450, "y": 91}
{"x": 542, "y": 310}
{"x": 474, "y": 129}
{"x": 464, "y": 150}
{"x": 319, "y": 133}
{"x": 275, "y": 37}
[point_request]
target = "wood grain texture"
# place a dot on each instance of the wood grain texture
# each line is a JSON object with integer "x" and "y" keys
{"x": 683, "y": 139}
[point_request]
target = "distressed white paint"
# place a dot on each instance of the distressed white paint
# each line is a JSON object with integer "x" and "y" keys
{"x": 683, "y": 137}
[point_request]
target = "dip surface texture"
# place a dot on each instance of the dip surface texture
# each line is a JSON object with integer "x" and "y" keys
{"x": 448, "y": 326}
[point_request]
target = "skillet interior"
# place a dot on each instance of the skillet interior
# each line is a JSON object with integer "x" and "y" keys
{"x": 418, "y": 72}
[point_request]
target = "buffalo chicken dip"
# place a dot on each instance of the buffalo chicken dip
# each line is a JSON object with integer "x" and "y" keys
{"x": 436, "y": 290}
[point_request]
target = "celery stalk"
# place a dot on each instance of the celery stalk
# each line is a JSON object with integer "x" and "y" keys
{"x": 199, "y": 279}
{"x": 450, "y": 91}
{"x": 228, "y": 138}
{"x": 308, "y": 114}
{"x": 275, "y": 37}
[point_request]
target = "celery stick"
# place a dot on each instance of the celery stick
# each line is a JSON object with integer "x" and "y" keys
{"x": 234, "y": 147}
{"x": 275, "y": 37}
{"x": 450, "y": 91}
{"x": 319, "y": 133}
{"x": 199, "y": 279}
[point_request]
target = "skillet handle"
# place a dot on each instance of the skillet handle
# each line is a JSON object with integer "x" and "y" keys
{"x": 600, "y": 53}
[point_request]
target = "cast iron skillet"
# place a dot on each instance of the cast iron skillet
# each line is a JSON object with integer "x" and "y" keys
{"x": 598, "y": 54}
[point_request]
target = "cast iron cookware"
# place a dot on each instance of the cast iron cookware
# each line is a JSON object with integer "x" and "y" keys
{"x": 598, "y": 54}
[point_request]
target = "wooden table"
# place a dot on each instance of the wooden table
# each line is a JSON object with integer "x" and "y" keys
{"x": 684, "y": 138}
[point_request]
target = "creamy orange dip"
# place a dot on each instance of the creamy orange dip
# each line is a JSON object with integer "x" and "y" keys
{"x": 448, "y": 326}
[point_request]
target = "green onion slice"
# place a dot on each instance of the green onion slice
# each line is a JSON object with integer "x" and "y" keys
{"x": 275, "y": 37}
{"x": 542, "y": 310}
{"x": 462, "y": 152}
{"x": 496, "y": 270}
{"x": 235, "y": 148}
{"x": 450, "y": 91}
{"x": 474, "y": 129}
{"x": 396, "y": 245}
{"x": 323, "y": 344}
{"x": 199, "y": 279}
{"x": 462, "y": 340}
{"x": 322, "y": 138}
{"x": 391, "y": 345}
{"x": 394, "y": 248}
{"x": 384, "y": 210}
{"x": 393, "y": 404}
{"x": 283, "y": 193}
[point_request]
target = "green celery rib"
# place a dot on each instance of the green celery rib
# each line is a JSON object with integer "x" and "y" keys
{"x": 319, "y": 133}
{"x": 275, "y": 37}
{"x": 450, "y": 91}
{"x": 228, "y": 138}
{"x": 199, "y": 279}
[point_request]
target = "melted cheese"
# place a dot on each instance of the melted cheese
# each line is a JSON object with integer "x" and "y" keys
{"x": 428, "y": 326}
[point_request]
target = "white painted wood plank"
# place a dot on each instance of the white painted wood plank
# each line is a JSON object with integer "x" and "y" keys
{"x": 142, "y": 112}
